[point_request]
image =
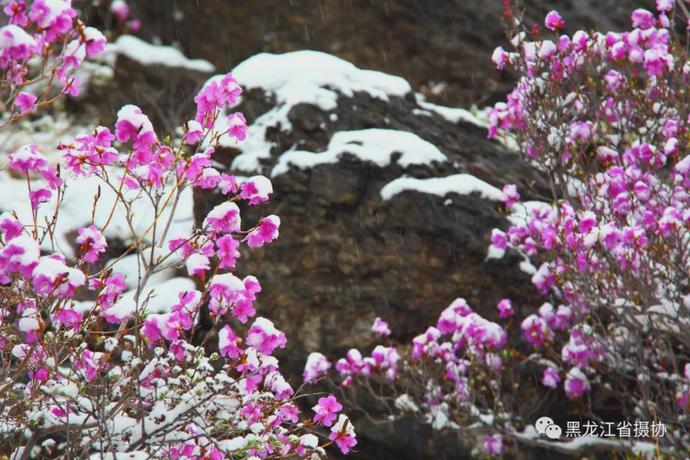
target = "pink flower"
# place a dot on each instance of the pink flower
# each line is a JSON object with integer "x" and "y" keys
{"x": 27, "y": 159}
{"x": 217, "y": 94}
{"x": 494, "y": 445}
{"x": 554, "y": 21}
{"x": 581, "y": 131}
{"x": 92, "y": 243}
{"x": 576, "y": 383}
{"x": 613, "y": 80}
{"x": 112, "y": 288}
{"x": 326, "y": 410}
{"x": 95, "y": 41}
{"x": 505, "y": 308}
{"x": 550, "y": 378}
{"x": 89, "y": 363}
{"x": 256, "y": 190}
{"x": 226, "y": 251}
{"x": 151, "y": 330}
{"x": 317, "y": 367}
{"x": 343, "y": 433}
{"x": 197, "y": 265}
{"x": 224, "y": 218}
{"x": 263, "y": 336}
{"x": 120, "y": 10}
{"x": 38, "y": 196}
{"x": 228, "y": 343}
{"x": 133, "y": 125}
{"x": 265, "y": 232}
{"x": 52, "y": 277}
{"x": 16, "y": 12}
{"x": 642, "y": 18}
{"x": 9, "y": 226}
{"x": 288, "y": 413}
{"x": 499, "y": 239}
{"x": 510, "y": 195}
{"x": 68, "y": 318}
{"x": 500, "y": 58}
{"x": 536, "y": 331}
{"x": 386, "y": 358}
{"x": 194, "y": 133}
{"x": 664, "y": 5}
{"x": 228, "y": 184}
{"x": 25, "y": 101}
{"x": 380, "y": 327}
{"x": 237, "y": 126}
{"x": 657, "y": 61}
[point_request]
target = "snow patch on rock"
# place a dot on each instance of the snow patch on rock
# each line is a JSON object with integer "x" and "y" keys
{"x": 374, "y": 145}
{"x": 148, "y": 54}
{"x": 462, "y": 184}
{"x": 300, "y": 77}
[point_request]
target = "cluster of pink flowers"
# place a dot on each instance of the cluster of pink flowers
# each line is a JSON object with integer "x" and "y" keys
{"x": 460, "y": 340}
{"x": 43, "y": 45}
{"x": 80, "y": 341}
{"x": 604, "y": 117}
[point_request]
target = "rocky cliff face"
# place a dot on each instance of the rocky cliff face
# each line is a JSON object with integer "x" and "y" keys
{"x": 387, "y": 203}
{"x": 367, "y": 230}
{"x": 441, "y": 46}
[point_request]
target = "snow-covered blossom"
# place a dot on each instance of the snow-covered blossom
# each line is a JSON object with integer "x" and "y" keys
{"x": 380, "y": 327}
{"x": 317, "y": 366}
{"x": 91, "y": 242}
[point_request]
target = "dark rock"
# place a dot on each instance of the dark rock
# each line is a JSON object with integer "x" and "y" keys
{"x": 345, "y": 255}
{"x": 441, "y": 46}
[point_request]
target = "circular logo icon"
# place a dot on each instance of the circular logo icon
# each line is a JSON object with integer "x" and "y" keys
{"x": 553, "y": 431}
{"x": 542, "y": 424}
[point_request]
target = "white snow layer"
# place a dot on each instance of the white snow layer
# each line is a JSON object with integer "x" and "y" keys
{"x": 462, "y": 184}
{"x": 452, "y": 114}
{"x": 148, "y": 54}
{"x": 314, "y": 77}
{"x": 375, "y": 145}
{"x": 309, "y": 77}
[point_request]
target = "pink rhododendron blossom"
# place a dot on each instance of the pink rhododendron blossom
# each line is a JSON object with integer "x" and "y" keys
{"x": 343, "y": 434}
{"x": 92, "y": 243}
{"x": 494, "y": 445}
{"x": 510, "y": 195}
{"x": 642, "y": 18}
{"x": 505, "y": 308}
{"x": 197, "y": 264}
{"x": 256, "y": 189}
{"x": 263, "y": 336}
{"x": 265, "y": 232}
{"x": 224, "y": 218}
{"x": 133, "y": 125}
{"x": 317, "y": 367}
{"x": 380, "y": 327}
{"x": 576, "y": 383}
{"x": 326, "y": 410}
{"x": 500, "y": 58}
{"x": 195, "y": 132}
{"x": 550, "y": 378}
{"x": 554, "y": 21}
{"x": 237, "y": 126}
{"x": 27, "y": 159}
{"x": 226, "y": 250}
{"x": 26, "y": 102}
{"x": 228, "y": 343}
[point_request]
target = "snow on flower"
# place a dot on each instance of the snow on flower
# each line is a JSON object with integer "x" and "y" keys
{"x": 317, "y": 366}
